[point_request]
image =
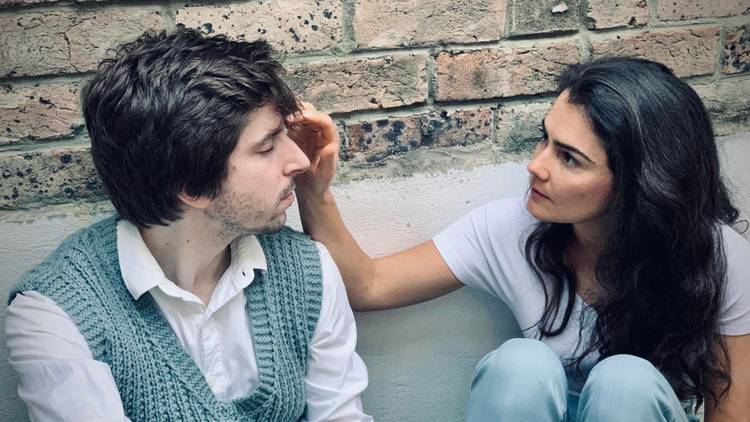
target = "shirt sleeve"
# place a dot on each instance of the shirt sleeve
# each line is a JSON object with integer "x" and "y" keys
{"x": 336, "y": 375}
{"x": 484, "y": 248}
{"x": 55, "y": 365}
{"x": 734, "y": 317}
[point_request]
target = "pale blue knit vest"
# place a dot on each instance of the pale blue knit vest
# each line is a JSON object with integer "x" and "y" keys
{"x": 156, "y": 378}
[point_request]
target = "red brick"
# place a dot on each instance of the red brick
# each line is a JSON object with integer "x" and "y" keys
{"x": 289, "y": 25}
{"x": 394, "y": 23}
{"x": 728, "y": 104}
{"x": 370, "y": 141}
{"x": 375, "y": 140}
{"x": 24, "y": 2}
{"x": 48, "y": 177}
{"x": 518, "y": 126}
{"x": 362, "y": 83}
{"x": 505, "y": 72}
{"x": 39, "y": 112}
{"x": 687, "y": 51}
{"x": 461, "y": 127}
{"x": 616, "y": 13}
{"x": 538, "y": 17}
{"x": 671, "y": 10}
{"x": 737, "y": 50}
{"x": 66, "y": 42}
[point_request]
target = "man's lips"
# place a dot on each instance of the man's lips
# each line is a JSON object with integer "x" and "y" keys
{"x": 288, "y": 192}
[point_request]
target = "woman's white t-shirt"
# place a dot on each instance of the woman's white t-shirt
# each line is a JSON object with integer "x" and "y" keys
{"x": 485, "y": 249}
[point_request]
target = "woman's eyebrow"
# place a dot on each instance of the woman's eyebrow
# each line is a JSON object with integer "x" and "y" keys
{"x": 574, "y": 150}
{"x": 567, "y": 147}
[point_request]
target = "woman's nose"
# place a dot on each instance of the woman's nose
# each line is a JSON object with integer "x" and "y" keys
{"x": 537, "y": 166}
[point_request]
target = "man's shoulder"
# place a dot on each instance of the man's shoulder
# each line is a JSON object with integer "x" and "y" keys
{"x": 294, "y": 275}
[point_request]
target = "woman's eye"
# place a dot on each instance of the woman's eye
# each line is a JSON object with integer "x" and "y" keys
{"x": 567, "y": 159}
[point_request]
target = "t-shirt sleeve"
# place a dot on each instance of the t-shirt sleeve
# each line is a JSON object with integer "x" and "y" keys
{"x": 484, "y": 248}
{"x": 734, "y": 317}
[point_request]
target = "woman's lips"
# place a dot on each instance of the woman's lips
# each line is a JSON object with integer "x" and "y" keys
{"x": 538, "y": 193}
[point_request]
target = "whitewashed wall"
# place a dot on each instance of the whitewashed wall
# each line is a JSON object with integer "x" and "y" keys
{"x": 420, "y": 358}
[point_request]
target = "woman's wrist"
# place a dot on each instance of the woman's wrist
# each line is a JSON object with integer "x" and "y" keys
{"x": 318, "y": 213}
{"x": 314, "y": 200}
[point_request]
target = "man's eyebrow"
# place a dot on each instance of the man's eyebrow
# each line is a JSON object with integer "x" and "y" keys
{"x": 568, "y": 147}
{"x": 274, "y": 132}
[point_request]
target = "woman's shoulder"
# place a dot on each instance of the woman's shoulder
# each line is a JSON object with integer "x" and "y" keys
{"x": 506, "y": 209}
{"x": 733, "y": 240}
{"x": 737, "y": 251}
{"x": 495, "y": 226}
{"x": 735, "y": 311}
{"x": 508, "y": 213}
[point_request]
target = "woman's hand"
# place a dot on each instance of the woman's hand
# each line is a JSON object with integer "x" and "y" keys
{"x": 411, "y": 276}
{"x": 317, "y": 136}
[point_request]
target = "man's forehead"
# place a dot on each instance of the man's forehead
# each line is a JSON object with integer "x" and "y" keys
{"x": 260, "y": 123}
{"x": 266, "y": 114}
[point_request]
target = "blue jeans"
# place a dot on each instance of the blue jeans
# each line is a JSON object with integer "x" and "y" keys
{"x": 524, "y": 380}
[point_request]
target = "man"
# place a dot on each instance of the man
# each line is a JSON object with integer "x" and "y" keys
{"x": 194, "y": 302}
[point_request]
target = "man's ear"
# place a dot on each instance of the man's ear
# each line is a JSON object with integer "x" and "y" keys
{"x": 199, "y": 202}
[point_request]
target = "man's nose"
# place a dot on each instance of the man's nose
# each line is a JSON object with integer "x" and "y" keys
{"x": 297, "y": 161}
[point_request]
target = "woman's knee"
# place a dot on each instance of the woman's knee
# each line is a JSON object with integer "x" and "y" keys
{"x": 521, "y": 359}
{"x": 626, "y": 387}
{"x": 521, "y": 380}
{"x": 626, "y": 375}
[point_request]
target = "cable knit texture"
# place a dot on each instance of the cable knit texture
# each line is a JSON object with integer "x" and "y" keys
{"x": 156, "y": 378}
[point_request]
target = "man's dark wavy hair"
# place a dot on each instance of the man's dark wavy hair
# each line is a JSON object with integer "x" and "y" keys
{"x": 166, "y": 111}
{"x": 663, "y": 270}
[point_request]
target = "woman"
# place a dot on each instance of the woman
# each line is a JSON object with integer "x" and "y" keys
{"x": 621, "y": 265}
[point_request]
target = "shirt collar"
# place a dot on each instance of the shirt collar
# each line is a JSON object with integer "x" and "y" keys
{"x": 141, "y": 272}
{"x": 246, "y": 256}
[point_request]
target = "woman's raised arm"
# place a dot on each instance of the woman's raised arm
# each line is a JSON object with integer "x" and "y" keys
{"x": 407, "y": 277}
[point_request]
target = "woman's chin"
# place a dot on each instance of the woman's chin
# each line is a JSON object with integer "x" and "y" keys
{"x": 535, "y": 211}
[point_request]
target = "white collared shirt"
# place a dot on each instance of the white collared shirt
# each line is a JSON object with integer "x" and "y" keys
{"x": 56, "y": 367}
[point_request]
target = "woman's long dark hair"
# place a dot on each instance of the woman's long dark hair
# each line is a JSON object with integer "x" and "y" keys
{"x": 663, "y": 269}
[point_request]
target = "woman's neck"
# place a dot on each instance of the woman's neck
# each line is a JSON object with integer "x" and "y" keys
{"x": 590, "y": 237}
{"x": 588, "y": 241}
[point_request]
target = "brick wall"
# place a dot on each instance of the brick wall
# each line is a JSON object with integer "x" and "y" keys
{"x": 399, "y": 76}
